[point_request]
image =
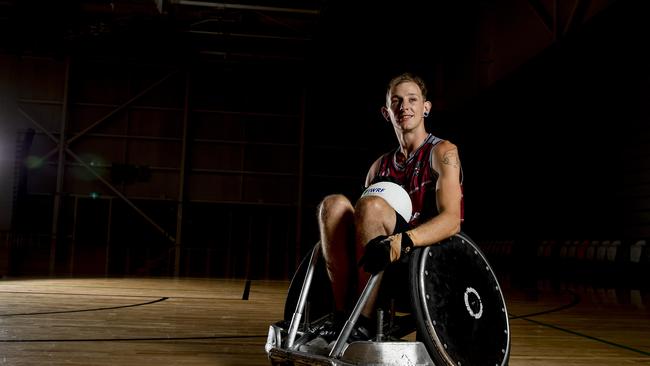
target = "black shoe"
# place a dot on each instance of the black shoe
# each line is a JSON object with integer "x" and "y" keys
{"x": 329, "y": 330}
{"x": 360, "y": 333}
{"x": 363, "y": 330}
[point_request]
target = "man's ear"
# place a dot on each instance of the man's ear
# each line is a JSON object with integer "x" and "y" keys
{"x": 427, "y": 107}
{"x": 385, "y": 113}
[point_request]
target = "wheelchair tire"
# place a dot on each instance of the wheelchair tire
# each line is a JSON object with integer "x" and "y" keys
{"x": 459, "y": 310}
{"x": 319, "y": 300}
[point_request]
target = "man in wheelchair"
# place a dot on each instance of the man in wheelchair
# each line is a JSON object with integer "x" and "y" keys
{"x": 399, "y": 241}
{"x": 361, "y": 239}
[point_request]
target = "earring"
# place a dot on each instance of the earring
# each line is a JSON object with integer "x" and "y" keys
{"x": 426, "y": 114}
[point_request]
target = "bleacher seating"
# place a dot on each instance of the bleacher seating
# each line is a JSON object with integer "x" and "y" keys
{"x": 564, "y": 249}
{"x": 590, "y": 255}
{"x": 601, "y": 251}
{"x": 604, "y": 264}
{"x": 550, "y": 247}
{"x": 581, "y": 250}
{"x": 612, "y": 250}
{"x": 636, "y": 250}
{"x": 573, "y": 247}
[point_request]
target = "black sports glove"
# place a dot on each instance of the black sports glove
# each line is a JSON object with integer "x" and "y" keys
{"x": 383, "y": 250}
{"x": 377, "y": 255}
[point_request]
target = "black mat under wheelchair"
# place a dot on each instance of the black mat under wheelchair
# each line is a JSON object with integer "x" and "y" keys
{"x": 455, "y": 306}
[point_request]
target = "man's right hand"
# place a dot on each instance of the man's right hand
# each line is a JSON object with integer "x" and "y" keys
{"x": 377, "y": 255}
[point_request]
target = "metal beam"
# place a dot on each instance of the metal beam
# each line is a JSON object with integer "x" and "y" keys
{"x": 543, "y": 15}
{"x": 119, "y": 194}
{"x": 108, "y": 236}
{"x": 112, "y": 113}
{"x": 181, "y": 179}
{"x": 245, "y": 7}
{"x": 231, "y": 56}
{"x": 62, "y": 147}
{"x": 121, "y": 107}
{"x": 73, "y": 237}
{"x": 40, "y": 126}
{"x": 60, "y": 171}
{"x": 577, "y": 16}
{"x": 301, "y": 178}
{"x": 248, "y": 35}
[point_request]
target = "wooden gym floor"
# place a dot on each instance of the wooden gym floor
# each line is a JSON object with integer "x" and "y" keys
{"x": 162, "y": 321}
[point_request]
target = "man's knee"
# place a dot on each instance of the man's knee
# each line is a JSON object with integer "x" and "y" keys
{"x": 335, "y": 206}
{"x": 372, "y": 206}
{"x": 374, "y": 212}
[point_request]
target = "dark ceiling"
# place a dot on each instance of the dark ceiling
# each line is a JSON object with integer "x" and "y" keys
{"x": 276, "y": 29}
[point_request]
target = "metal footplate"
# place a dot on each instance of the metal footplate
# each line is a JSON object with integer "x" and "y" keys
{"x": 355, "y": 353}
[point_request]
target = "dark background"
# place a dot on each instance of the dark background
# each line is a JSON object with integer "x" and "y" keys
{"x": 545, "y": 100}
{"x": 547, "y": 149}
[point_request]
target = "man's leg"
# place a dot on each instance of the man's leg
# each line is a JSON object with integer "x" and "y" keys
{"x": 373, "y": 216}
{"x": 336, "y": 224}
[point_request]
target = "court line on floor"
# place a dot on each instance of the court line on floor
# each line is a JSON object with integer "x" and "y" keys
{"x": 575, "y": 301}
{"x": 71, "y": 294}
{"x": 588, "y": 337}
{"x": 84, "y": 310}
{"x": 233, "y": 298}
{"x": 132, "y": 339}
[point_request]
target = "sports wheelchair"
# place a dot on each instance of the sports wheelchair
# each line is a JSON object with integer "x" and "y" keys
{"x": 455, "y": 307}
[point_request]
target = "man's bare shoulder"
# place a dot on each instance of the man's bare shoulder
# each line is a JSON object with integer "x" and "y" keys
{"x": 444, "y": 146}
{"x": 446, "y": 153}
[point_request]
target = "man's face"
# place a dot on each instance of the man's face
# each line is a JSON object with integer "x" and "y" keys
{"x": 405, "y": 106}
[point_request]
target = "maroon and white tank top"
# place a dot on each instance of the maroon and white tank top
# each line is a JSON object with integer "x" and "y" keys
{"x": 416, "y": 176}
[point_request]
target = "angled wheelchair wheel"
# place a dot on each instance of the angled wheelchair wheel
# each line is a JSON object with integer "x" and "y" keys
{"x": 460, "y": 314}
{"x": 319, "y": 300}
